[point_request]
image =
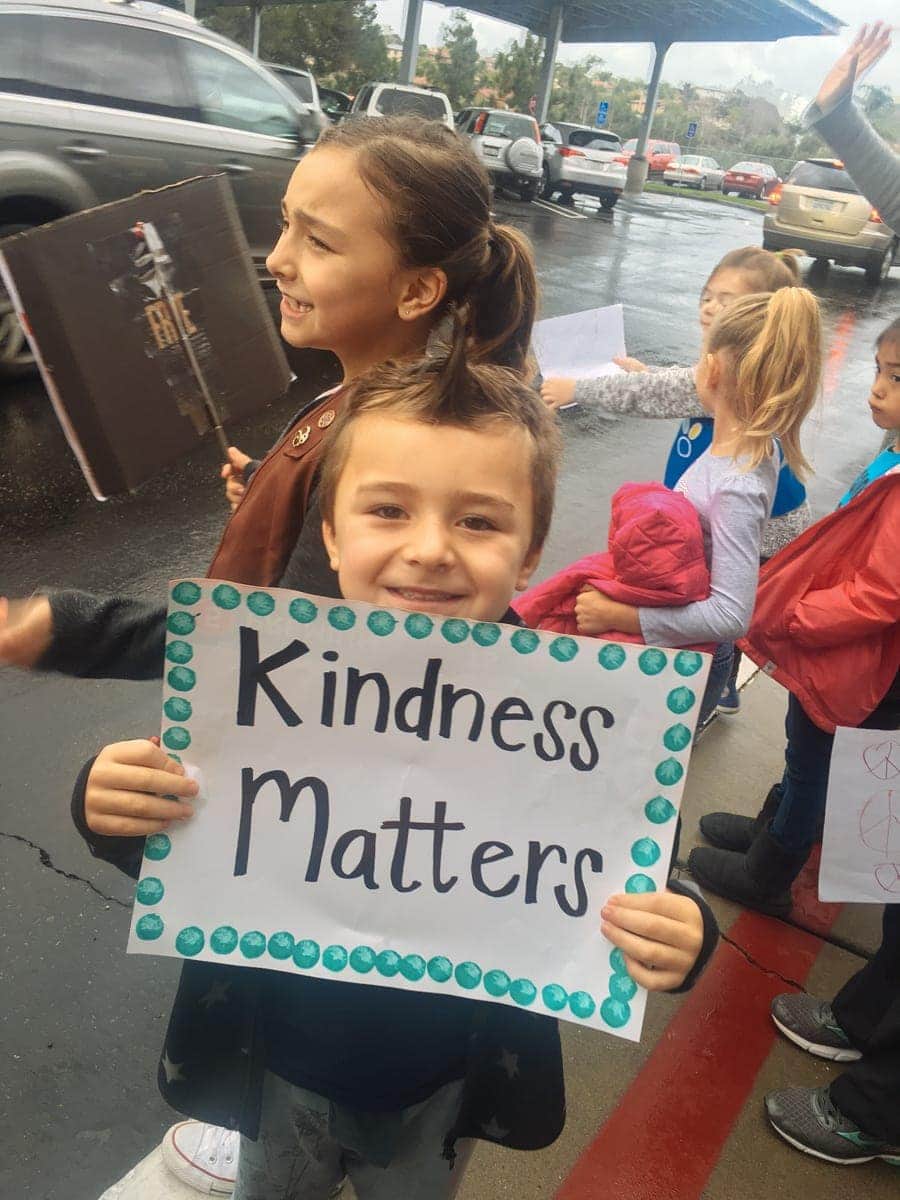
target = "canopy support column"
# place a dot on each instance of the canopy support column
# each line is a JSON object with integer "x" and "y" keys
{"x": 410, "y": 56}
{"x": 551, "y": 48}
{"x": 637, "y": 166}
{"x": 256, "y": 13}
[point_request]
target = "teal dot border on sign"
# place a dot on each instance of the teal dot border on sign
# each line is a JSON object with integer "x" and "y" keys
{"x": 306, "y": 953}
{"x": 181, "y": 678}
{"x": 614, "y": 1009}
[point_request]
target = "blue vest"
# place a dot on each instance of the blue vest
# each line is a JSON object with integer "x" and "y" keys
{"x": 695, "y": 435}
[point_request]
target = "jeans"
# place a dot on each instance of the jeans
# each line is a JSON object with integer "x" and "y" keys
{"x": 718, "y": 677}
{"x": 797, "y": 823}
{"x": 306, "y": 1145}
{"x": 868, "y": 1010}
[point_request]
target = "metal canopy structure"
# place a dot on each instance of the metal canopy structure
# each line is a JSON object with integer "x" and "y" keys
{"x": 660, "y": 22}
{"x": 664, "y": 21}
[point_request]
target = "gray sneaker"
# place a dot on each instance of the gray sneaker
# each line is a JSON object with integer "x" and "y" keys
{"x": 810, "y": 1023}
{"x": 809, "y": 1120}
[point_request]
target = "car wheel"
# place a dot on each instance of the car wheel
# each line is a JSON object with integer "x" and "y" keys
{"x": 609, "y": 202}
{"x": 530, "y": 191}
{"x": 547, "y": 188}
{"x": 567, "y": 199}
{"x": 878, "y": 268}
{"x": 16, "y": 358}
{"x": 703, "y": 184}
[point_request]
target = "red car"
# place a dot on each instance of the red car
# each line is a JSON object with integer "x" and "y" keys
{"x": 659, "y": 154}
{"x": 754, "y": 179}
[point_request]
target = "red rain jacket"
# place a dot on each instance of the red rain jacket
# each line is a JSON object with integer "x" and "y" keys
{"x": 655, "y": 558}
{"x": 827, "y": 618}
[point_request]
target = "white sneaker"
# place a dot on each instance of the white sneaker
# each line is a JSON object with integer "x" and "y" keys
{"x": 205, "y": 1157}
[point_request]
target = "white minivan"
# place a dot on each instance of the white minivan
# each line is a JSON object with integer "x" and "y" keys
{"x": 392, "y": 99}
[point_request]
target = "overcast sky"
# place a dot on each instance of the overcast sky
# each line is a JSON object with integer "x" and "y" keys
{"x": 795, "y": 65}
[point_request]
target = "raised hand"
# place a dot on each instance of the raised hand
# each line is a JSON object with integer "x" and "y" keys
{"x": 870, "y": 45}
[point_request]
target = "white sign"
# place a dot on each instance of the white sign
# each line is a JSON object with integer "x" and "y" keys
{"x": 412, "y": 801}
{"x": 861, "y": 846}
{"x": 580, "y": 345}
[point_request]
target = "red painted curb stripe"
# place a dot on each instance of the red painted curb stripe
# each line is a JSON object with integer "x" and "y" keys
{"x": 667, "y": 1133}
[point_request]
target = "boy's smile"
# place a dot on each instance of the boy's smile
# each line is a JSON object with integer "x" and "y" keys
{"x": 433, "y": 518}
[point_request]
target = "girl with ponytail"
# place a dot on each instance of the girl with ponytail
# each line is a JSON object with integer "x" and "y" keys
{"x": 758, "y": 377}
{"x": 387, "y": 247}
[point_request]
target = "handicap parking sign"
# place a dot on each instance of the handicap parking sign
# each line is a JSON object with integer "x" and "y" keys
{"x": 602, "y": 110}
{"x": 692, "y": 129}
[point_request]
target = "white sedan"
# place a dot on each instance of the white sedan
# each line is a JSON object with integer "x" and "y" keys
{"x": 695, "y": 170}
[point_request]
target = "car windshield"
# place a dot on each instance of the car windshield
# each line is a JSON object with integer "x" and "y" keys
{"x": 822, "y": 176}
{"x": 300, "y": 85}
{"x": 749, "y": 168}
{"x": 393, "y": 101}
{"x": 509, "y": 125}
{"x": 690, "y": 160}
{"x": 590, "y": 139}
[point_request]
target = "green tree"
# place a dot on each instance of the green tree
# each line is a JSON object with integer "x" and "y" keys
{"x": 517, "y": 70}
{"x": 456, "y": 71}
{"x": 340, "y": 41}
{"x": 576, "y": 92}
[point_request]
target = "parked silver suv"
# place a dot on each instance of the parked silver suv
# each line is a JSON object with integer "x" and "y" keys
{"x": 580, "y": 159}
{"x": 99, "y": 100}
{"x": 508, "y": 145}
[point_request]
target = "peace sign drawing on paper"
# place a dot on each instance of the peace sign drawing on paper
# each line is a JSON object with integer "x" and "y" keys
{"x": 861, "y": 843}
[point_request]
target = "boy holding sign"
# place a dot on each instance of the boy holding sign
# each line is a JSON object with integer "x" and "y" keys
{"x": 437, "y": 494}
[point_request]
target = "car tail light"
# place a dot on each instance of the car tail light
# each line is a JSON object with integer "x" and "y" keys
{"x": 480, "y": 122}
{"x": 775, "y": 195}
{"x": 568, "y": 152}
{"x": 876, "y": 217}
{"x": 691, "y": 170}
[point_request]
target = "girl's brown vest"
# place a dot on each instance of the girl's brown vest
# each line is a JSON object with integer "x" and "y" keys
{"x": 264, "y": 528}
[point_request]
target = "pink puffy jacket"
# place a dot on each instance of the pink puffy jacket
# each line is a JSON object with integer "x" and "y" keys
{"x": 655, "y": 558}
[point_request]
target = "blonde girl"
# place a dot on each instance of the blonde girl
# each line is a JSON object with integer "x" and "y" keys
{"x": 672, "y": 392}
{"x": 758, "y": 377}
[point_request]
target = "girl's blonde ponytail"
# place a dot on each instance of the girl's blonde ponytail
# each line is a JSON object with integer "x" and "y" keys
{"x": 775, "y": 340}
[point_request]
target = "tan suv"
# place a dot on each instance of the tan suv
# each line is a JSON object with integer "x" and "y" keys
{"x": 99, "y": 100}
{"x": 820, "y": 210}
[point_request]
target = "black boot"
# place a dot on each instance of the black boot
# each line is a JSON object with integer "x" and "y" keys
{"x": 759, "y": 879}
{"x": 728, "y": 831}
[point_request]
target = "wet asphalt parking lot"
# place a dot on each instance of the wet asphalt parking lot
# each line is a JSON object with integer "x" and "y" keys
{"x": 83, "y": 1023}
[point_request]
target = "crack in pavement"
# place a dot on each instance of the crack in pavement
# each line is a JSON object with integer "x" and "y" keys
{"x": 754, "y": 962}
{"x": 47, "y": 861}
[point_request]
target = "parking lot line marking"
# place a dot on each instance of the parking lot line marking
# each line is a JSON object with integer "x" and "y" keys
{"x": 557, "y": 208}
{"x": 667, "y": 1133}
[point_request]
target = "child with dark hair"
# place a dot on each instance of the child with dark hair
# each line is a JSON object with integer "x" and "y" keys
{"x": 436, "y": 496}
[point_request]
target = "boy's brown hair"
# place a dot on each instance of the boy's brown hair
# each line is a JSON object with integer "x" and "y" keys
{"x": 447, "y": 390}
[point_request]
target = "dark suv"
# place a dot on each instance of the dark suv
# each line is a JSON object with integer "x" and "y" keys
{"x": 99, "y": 100}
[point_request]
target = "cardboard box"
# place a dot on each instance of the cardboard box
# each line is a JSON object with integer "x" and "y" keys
{"x": 97, "y": 305}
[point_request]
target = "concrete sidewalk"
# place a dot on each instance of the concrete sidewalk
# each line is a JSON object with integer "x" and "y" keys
{"x": 733, "y": 766}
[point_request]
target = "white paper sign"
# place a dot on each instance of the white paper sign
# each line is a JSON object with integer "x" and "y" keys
{"x": 861, "y": 845}
{"x": 580, "y": 345}
{"x": 418, "y": 802}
